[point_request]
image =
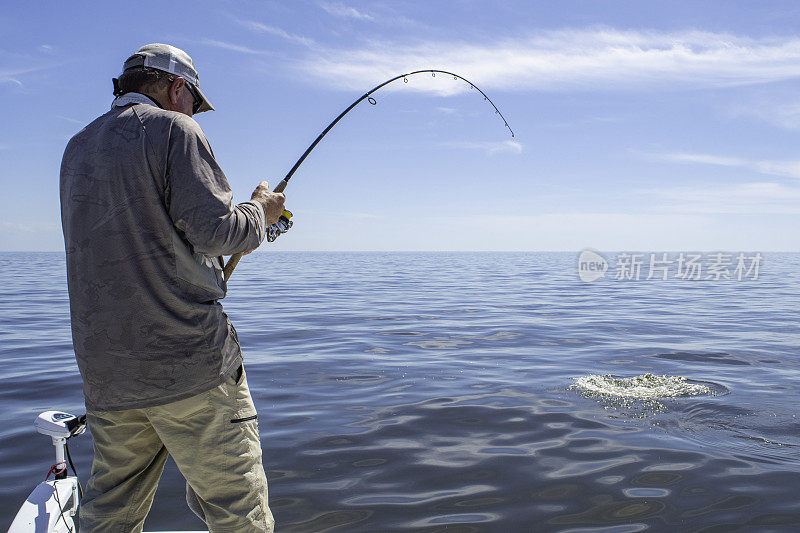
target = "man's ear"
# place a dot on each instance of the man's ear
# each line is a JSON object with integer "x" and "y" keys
{"x": 175, "y": 90}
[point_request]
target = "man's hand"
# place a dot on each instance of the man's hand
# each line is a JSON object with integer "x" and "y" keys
{"x": 272, "y": 202}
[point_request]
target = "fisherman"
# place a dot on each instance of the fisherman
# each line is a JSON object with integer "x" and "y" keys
{"x": 147, "y": 215}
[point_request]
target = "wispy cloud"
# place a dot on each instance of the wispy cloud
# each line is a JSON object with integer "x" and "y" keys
{"x": 11, "y": 76}
{"x": 576, "y": 59}
{"x": 746, "y": 198}
{"x": 235, "y": 47}
{"x": 782, "y": 114}
{"x": 489, "y": 147}
{"x": 20, "y": 63}
{"x": 343, "y": 214}
{"x": 707, "y": 159}
{"x": 571, "y": 230}
{"x": 382, "y": 13}
{"x": 260, "y": 27}
{"x": 338, "y": 9}
{"x": 72, "y": 120}
{"x": 28, "y": 227}
{"x": 790, "y": 169}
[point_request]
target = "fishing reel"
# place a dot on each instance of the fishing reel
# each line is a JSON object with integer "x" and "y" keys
{"x": 281, "y": 226}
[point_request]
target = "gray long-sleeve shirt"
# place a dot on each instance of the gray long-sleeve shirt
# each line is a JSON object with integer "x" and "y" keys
{"x": 147, "y": 213}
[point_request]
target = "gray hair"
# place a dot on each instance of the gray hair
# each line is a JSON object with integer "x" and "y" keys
{"x": 142, "y": 79}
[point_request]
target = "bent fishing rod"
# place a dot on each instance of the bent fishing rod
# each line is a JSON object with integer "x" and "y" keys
{"x": 284, "y": 222}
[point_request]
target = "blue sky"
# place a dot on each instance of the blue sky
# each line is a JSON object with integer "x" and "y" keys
{"x": 643, "y": 126}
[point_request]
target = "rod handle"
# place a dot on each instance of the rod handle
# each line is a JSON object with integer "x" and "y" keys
{"x": 230, "y": 266}
{"x": 281, "y": 185}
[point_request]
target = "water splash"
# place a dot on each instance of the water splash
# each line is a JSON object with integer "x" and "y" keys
{"x": 643, "y": 387}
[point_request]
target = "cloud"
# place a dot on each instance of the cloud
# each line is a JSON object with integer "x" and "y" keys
{"x": 785, "y": 115}
{"x": 30, "y": 236}
{"x": 745, "y": 198}
{"x": 16, "y": 227}
{"x": 260, "y": 27}
{"x": 338, "y": 9}
{"x": 11, "y": 76}
{"x": 574, "y": 231}
{"x": 235, "y": 47}
{"x": 571, "y": 59}
{"x": 384, "y": 14}
{"x": 684, "y": 157}
{"x": 789, "y": 169}
{"x": 72, "y": 120}
{"x": 343, "y": 214}
{"x": 489, "y": 147}
{"x": 37, "y": 59}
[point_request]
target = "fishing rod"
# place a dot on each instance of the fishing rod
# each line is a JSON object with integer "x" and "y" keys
{"x": 284, "y": 222}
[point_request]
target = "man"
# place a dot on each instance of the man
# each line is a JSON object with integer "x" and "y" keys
{"x": 147, "y": 215}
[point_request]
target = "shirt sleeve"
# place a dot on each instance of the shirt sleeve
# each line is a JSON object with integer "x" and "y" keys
{"x": 200, "y": 198}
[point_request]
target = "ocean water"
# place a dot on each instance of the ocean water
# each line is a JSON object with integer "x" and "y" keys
{"x": 437, "y": 392}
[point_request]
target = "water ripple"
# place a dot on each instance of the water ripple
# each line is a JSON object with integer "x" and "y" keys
{"x": 429, "y": 392}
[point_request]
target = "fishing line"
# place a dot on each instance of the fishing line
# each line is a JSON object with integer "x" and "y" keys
{"x": 284, "y": 222}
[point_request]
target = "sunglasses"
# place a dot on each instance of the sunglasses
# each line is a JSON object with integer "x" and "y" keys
{"x": 197, "y": 100}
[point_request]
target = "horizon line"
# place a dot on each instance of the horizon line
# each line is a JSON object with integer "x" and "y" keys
{"x": 626, "y": 250}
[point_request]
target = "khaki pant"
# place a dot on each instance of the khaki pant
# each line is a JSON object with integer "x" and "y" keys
{"x": 213, "y": 438}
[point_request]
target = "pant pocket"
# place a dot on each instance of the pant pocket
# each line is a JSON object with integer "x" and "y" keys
{"x": 237, "y": 376}
{"x": 245, "y": 419}
{"x": 241, "y": 404}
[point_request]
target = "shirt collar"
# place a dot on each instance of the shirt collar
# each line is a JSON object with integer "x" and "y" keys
{"x": 133, "y": 98}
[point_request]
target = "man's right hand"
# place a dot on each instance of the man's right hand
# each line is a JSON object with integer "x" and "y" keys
{"x": 272, "y": 202}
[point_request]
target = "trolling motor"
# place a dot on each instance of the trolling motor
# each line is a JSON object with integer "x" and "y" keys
{"x": 59, "y": 426}
{"x": 284, "y": 222}
{"x": 53, "y": 503}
